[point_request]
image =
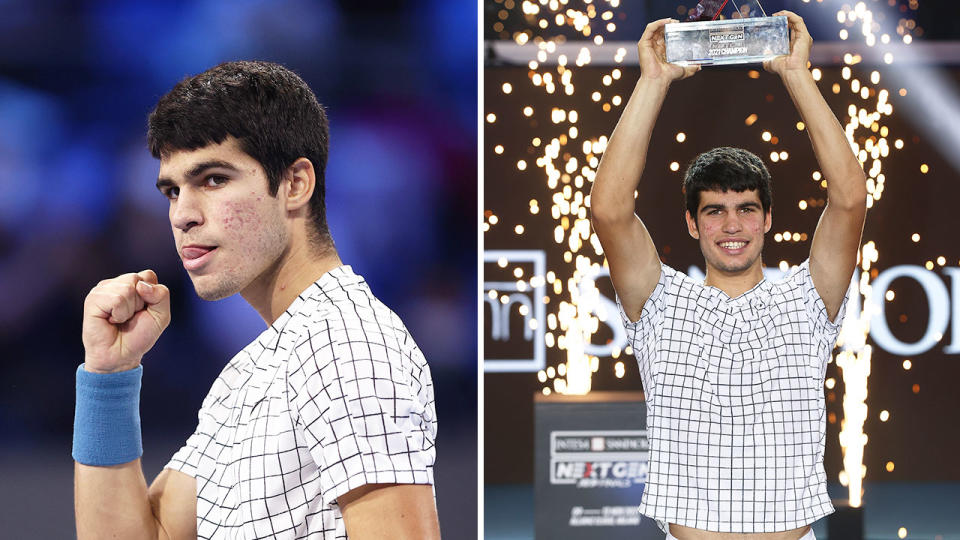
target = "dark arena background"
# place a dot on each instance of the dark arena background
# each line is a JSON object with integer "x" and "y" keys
{"x": 78, "y": 204}
{"x": 556, "y": 78}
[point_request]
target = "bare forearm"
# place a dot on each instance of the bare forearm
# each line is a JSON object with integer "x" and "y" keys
{"x": 625, "y": 157}
{"x": 112, "y": 502}
{"x": 844, "y": 175}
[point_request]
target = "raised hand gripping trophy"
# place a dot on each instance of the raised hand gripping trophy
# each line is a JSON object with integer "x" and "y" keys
{"x": 707, "y": 39}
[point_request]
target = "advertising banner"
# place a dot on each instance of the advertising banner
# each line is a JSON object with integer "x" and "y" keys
{"x": 591, "y": 463}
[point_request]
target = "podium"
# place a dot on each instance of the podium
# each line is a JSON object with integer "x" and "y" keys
{"x": 591, "y": 458}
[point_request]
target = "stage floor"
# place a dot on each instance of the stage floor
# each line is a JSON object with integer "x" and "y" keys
{"x": 927, "y": 511}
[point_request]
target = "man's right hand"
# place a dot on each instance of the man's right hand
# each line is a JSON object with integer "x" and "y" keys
{"x": 653, "y": 55}
{"x": 122, "y": 319}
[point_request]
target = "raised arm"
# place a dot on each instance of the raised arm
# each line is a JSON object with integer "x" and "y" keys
{"x": 634, "y": 262}
{"x": 122, "y": 319}
{"x": 833, "y": 253}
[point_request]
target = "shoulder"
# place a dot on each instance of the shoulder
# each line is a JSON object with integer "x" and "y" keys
{"x": 676, "y": 284}
{"x": 798, "y": 288}
{"x": 796, "y": 281}
{"x": 346, "y": 325}
{"x": 234, "y": 374}
{"x": 671, "y": 286}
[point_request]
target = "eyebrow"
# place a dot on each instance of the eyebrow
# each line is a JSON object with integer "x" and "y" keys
{"x": 198, "y": 170}
{"x": 749, "y": 204}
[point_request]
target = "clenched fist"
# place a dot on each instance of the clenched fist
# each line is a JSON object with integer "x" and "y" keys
{"x": 122, "y": 319}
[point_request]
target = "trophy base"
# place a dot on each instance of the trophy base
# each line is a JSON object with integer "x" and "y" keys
{"x": 733, "y": 41}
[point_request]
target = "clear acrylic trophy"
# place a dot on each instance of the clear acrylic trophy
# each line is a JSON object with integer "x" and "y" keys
{"x": 743, "y": 36}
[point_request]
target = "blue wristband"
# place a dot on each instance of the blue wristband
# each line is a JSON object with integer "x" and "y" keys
{"x": 106, "y": 425}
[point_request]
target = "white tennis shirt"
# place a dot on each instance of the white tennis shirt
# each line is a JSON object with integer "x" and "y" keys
{"x": 333, "y": 396}
{"x": 735, "y": 405}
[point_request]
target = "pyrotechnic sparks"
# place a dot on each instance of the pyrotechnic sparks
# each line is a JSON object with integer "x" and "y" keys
{"x": 868, "y": 137}
{"x": 568, "y": 161}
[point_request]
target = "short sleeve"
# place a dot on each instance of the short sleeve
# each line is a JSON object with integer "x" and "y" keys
{"x": 187, "y": 459}
{"x": 367, "y": 410}
{"x": 653, "y": 307}
{"x": 825, "y": 330}
{"x": 643, "y": 335}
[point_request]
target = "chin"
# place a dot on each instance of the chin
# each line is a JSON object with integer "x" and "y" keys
{"x": 732, "y": 266}
{"x": 734, "y": 269}
{"x": 211, "y": 296}
{"x": 210, "y": 290}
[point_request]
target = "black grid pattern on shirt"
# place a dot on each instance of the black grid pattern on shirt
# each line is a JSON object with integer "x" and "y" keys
{"x": 333, "y": 396}
{"x": 735, "y": 406}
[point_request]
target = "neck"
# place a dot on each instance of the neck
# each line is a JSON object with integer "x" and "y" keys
{"x": 298, "y": 267}
{"x": 733, "y": 284}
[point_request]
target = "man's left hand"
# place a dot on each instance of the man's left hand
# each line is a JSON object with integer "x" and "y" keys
{"x": 800, "y": 43}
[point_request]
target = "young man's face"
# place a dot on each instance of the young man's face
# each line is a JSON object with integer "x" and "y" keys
{"x": 228, "y": 230}
{"x": 730, "y": 227}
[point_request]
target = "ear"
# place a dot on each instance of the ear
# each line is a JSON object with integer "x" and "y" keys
{"x": 299, "y": 182}
{"x": 692, "y": 226}
{"x": 768, "y": 221}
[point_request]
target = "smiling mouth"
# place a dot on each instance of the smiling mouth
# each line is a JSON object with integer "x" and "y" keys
{"x": 732, "y": 246}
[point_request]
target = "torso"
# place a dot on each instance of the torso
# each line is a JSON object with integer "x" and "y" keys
{"x": 688, "y": 533}
{"x": 735, "y": 407}
{"x": 278, "y": 438}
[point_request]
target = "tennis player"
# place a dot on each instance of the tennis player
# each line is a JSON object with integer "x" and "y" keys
{"x": 732, "y": 367}
{"x": 322, "y": 427}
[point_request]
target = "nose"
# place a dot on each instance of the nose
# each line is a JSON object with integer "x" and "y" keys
{"x": 186, "y": 211}
{"x": 731, "y": 222}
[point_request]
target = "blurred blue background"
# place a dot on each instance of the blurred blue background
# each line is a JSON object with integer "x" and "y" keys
{"x": 77, "y": 204}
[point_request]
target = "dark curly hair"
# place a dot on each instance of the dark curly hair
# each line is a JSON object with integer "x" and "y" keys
{"x": 271, "y": 112}
{"x": 723, "y": 169}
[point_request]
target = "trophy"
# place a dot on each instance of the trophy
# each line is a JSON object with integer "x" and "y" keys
{"x": 709, "y": 38}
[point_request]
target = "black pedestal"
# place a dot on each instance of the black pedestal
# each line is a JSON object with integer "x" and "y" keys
{"x": 846, "y": 523}
{"x": 591, "y": 458}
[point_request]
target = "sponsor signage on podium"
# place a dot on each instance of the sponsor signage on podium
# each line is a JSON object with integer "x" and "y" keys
{"x": 591, "y": 458}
